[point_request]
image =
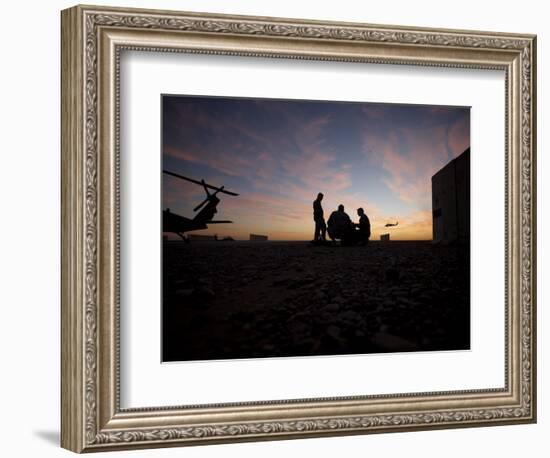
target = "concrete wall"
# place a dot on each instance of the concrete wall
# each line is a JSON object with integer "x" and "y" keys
{"x": 258, "y": 238}
{"x": 201, "y": 237}
{"x": 451, "y": 200}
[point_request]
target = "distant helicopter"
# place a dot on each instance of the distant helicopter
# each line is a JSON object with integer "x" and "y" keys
{"x": 392, "y": 224}
{"x": 179, "y": 225}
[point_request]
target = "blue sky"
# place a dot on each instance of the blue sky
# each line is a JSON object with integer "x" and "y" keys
{"x": 278, "y": 154}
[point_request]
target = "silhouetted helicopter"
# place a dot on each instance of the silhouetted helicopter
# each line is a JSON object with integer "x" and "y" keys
{"x": 392, "y": 224}
{"x": 180, "y": 224}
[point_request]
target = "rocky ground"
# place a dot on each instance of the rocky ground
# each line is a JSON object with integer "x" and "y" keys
{"x": 250, "y": 300}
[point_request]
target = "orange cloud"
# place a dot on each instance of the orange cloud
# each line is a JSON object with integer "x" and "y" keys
{"x": 283, "y": 157}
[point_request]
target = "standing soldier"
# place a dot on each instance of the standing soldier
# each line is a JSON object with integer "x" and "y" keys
{"x": 319, "y": 218}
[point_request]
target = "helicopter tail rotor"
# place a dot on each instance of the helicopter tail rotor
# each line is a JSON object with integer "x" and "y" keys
{"x": 202, "y": 204}
{"x": 209, "y": 197}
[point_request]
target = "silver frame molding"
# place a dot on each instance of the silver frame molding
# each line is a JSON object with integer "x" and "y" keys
{"x": 92, "y": 40}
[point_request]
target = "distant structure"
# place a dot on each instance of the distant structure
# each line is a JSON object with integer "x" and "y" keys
{"x": 384, "y": 237}
{"x": 202, "y": 238}
{"x": 451, "y": 200}
{"x": 258, "y": 238}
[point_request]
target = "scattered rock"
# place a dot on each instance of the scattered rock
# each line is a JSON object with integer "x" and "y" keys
{"x": 392, "y": 274}
{"x": 284, "y": 281}
{"x": 319, "y": 295}
{"x": 204, "y": 293}
{"x": 351, "y": 316}
{"x": 333, "y": 331}
{"x": 332, "y": 307}
{"x": 184, "y": 293}
{"x": 391, "y": 342}
{"x": 344, "y": 298}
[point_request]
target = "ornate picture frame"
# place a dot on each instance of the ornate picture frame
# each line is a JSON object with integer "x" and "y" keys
{"x": 92, "y": 41}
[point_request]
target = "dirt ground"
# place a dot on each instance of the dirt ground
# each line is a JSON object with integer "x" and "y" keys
{"x": 233, "y": 300}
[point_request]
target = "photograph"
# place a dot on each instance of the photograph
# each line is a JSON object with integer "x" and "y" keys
{"x": 273, "y": 227}
{"x": 303, "y": 228}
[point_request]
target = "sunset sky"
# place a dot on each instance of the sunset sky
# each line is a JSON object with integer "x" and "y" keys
{"x": 278, "y": 154}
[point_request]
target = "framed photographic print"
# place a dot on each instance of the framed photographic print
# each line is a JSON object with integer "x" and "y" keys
{"x": 278, "y": 228}
{"x": 313, "y": 285}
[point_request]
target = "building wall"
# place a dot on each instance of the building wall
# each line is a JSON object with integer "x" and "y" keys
{"x": 462, "y": 186}
{"x": 451, "y": 200}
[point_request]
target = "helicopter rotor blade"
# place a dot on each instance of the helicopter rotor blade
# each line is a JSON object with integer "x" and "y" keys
{"x": 218, "y": 190}
{"x": 201, "y": 183}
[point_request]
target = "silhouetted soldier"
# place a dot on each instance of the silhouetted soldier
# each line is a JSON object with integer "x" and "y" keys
{"x": 340, "y": 225}
{"x": 319, "y": 218}
{"x": 363, "y": 228}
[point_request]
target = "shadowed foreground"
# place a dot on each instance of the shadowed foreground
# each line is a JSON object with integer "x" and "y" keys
{"x": 250, "y": 300}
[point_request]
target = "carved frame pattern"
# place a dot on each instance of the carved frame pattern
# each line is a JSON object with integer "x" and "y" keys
{"x": 91, "y": 21}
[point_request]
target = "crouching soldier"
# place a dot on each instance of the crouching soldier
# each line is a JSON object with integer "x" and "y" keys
{"x": 340, "y": 226}
{"x": 363, "y": 227}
